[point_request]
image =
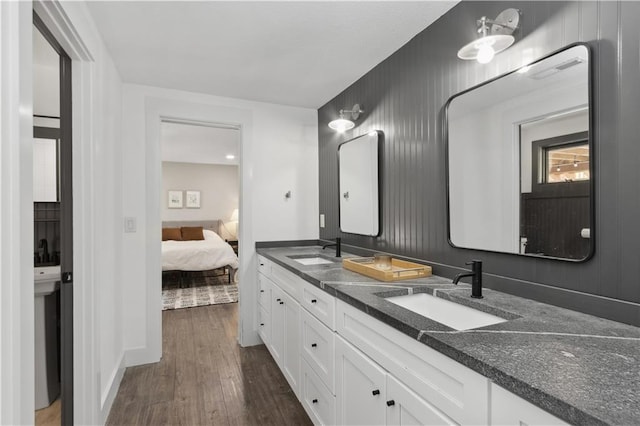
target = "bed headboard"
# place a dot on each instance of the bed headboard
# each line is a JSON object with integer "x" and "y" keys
{"x": 213, "y": 225}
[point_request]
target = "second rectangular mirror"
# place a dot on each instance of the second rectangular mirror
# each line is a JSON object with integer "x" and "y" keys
{"x": 519, "y": 161}
{"x": 358, "y": 180}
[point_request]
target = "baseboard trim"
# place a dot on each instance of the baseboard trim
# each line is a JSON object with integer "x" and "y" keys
{"x": 139, "y": 356}
{"x": 114, "y": 385}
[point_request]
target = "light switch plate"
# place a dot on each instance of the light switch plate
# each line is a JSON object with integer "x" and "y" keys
{"x": 321, "y": 221}
{"x": 130, "y": 224}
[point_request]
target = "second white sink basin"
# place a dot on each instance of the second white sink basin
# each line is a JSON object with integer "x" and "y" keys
{"x": 458, "y": 317}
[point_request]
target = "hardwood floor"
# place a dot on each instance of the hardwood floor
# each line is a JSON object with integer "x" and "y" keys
{"x": 205, "y": 377}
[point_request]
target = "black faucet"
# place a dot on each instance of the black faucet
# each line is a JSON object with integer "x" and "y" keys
{"x": 45, "y": 250}
{"x": 337, "y": 244}
{"x": 476, "y": 281}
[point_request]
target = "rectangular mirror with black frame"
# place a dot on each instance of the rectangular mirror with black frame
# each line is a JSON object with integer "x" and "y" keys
{"x": 519, "y": 161}
{"x": 358, "y": 181}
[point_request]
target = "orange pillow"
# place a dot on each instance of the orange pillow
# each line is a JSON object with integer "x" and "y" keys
{"x": 171, "y": 234}
{"x": 192, "y": 233}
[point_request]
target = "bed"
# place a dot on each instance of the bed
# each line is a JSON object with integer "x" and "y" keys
{"x": 203, "y": 250}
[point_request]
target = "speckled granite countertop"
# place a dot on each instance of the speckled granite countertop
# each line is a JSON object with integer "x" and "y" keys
{"x": 581, "y": 368}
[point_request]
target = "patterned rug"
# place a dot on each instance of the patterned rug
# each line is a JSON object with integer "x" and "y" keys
{"x": 198, "y": 289}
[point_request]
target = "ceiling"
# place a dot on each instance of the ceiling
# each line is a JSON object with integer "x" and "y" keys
{"x": 188, "y": 143}
{"x": 291, "y": 53}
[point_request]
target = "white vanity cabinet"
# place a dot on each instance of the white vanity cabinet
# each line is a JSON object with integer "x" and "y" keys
{"x": 367, "y": 394}
{"x": 285, "y": 335}
{"x": 360, "y": 387}
{"x": 279, "y": 321}
{"x": 510, "y": 409}
{"x": 346, "y": 367}
{"x": 264, "y": 309}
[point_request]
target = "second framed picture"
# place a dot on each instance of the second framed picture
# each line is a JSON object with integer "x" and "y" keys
{"x": 193, "y": 199}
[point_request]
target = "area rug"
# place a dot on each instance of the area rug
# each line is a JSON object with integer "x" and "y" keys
{"x": 196, "y": 289}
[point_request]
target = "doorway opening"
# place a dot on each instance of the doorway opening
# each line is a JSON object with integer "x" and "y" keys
{"x": 53, "y": 228}
{"x": 199, "y": 211}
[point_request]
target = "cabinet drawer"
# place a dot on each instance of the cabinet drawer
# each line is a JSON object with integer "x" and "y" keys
{"x": 461, "y": 393}
{"x": 264, "y": 292}
{"x": 264, "y": 266}
{"x": 319, "y": 403}
{"x": 510, "y": 409}
{"x": 318, "y": 344}
{"x": 320, "y": 304}
{"x": 264, "y": 325}
{"x": 287, "y": 281}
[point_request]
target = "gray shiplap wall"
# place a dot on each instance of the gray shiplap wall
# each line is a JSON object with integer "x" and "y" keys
{"x": 404, "y": 96}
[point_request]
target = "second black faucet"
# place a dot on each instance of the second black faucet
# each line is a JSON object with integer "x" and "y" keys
{"x": 337, "y": 244}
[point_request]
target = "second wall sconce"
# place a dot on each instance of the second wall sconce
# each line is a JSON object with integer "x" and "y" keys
{"x": 496, "y": 37}
{"x": 342, "y": 124}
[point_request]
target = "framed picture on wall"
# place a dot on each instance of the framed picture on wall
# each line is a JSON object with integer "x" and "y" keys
{"x": 175, "y": 200}
{"x": 193, "y": 199}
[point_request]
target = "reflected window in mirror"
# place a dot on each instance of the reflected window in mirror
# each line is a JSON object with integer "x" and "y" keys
{"x": 519, "y": 167}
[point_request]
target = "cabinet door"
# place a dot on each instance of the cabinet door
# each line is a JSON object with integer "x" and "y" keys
{"x": 291, "y": 353}
{"x": 360, "y": 387}
{"x": 264, "y": 325}
{"x": 264, "y": 292}
{"x": 276, "y": 347}
{"x": 316, "y": 399}
{"x": 405, "y": 407}
{"x": 510, "y": 409}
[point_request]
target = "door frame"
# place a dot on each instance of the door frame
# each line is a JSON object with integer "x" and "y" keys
{"x": 86, "y": 407}
{"x": 156, "y": 111}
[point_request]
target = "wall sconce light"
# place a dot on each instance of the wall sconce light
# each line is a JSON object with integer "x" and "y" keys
{"x": 496, "y": 37}
{"x": 342, "y": 124}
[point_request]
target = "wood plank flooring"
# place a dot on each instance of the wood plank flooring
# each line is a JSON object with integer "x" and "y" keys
{"x": 206, "y": 378}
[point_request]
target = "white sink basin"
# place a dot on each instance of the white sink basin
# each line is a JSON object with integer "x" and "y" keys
{"x": 458, "y": 317}
{"x": 46, "y": 279}
{"x": 313, "y": 261}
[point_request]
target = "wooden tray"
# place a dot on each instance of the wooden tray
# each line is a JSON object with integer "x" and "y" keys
{"x": 400, "y": 269}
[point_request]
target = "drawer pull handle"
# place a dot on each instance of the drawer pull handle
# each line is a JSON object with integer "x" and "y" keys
{"x": 277, "y": 300}
{"x": 282, "y": 303}
{"x": 262, "y": 264}
{"x": 261, "y": 324}
{"x": 261, "y": 291}
{"x": 313, "y": 300}
{"x": 376, "y": 392}
{"x": 391, "y": 403}
{"x": 313, "y": 345}
{"x": 315, "y": 401}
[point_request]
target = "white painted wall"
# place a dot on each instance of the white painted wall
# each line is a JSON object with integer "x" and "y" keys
{"x": 219, "y": 187}
{"x": 279, "y": 152}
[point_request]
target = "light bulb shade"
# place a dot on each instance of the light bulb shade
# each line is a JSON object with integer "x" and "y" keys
{"x": 481, "y": 47}
{"x": 342, "y": 124}
{"x": 234, "y": 216}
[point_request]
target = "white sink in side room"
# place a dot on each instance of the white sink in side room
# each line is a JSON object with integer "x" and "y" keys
{"x": 454, "y": 315}
{"x": 46, "y": 279}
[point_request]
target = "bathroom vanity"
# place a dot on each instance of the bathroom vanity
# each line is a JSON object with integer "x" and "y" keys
{"x": 353, "y": 357}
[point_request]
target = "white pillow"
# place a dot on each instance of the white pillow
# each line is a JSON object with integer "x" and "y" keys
{"x": 210, "y": 235}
